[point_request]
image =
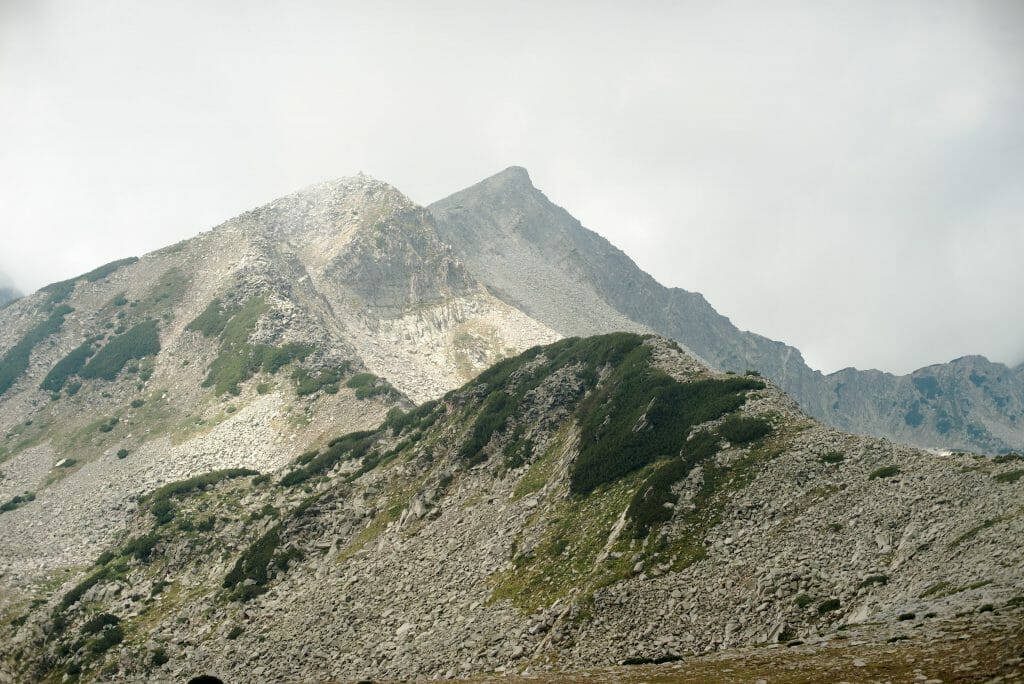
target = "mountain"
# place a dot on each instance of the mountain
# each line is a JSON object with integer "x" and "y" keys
{"x": 240, "y": 348}
{"x": 8, "y": 293}
{"x": 535, "y": 256}
{"x": 595, "y": 501}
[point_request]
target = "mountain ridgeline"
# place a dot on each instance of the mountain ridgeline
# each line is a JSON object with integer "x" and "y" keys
{"x": 537, "y": 257}
{"x": 398, "y": 442}
{"x": 590, "y": 502}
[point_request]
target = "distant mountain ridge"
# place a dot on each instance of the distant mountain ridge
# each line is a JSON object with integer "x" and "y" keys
{"x": 8, "y": 293}
{"x": 536, "y": 256}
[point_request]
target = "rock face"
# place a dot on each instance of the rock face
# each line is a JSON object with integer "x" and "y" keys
{"x": 261, "y": 326}
{"x": 537, "y": 257}
{"x": 583, "y": 504}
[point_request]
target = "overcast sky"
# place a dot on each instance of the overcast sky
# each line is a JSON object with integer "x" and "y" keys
{"x": 847, "y": 177}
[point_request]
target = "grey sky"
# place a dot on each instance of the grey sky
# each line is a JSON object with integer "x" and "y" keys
{"x": 845, "y": 176}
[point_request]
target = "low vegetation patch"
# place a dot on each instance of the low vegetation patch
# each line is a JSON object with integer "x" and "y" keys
{"x": 106, "y": 269}
{"x": 351, "y": 446}
{"x": 884, "y": 472}
{"x": 138, "y": 342}
{"x": 368, "y": 385}
{"x": 160, "y": 499}
{"x": 258, "y": 564}
{"x": 238, "y": 360}
{"x": 14, "y": 362}
{"x": 68, "y": 366}
{"x": 833, "y": 457}
{"x": 973, "y": 532}
{"x": 828, "y": 606}
{"x": 17, "y": 501}
{"x": 741, "y": 429}
{"x": 1009, "y": 477}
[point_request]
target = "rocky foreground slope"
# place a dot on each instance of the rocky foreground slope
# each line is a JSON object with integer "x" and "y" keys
{"x": 537, "y": 257}
{"x": 594, "y": 501}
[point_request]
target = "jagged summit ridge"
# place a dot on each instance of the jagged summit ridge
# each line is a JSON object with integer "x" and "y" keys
{"x": 536, "y": 256}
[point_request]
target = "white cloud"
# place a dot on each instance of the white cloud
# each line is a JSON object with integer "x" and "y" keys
{"x": 843, "y": 176}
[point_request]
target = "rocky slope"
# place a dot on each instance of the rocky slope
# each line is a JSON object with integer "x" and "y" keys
{"x": 582, "y": 504}
{"x": 310, "y": 316}
{"x": 576, "y": 282}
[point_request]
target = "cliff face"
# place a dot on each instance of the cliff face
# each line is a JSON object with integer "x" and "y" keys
{"x": 586, "y": 503}
{"x": 576, "y": 282}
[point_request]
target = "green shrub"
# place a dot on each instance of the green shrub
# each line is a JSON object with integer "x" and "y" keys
{"x": 802, "y": 601}
{"x": 68, "y": 462}
{"x": 235, "y": 632}
{"x": 105, "y": 270}
{"x": 109, "y": 424}
{"x": 492, "y": 417}
{"x": 611, "y": 448}
{"x": 137, "y": 403}
{"x": 828, "y": 606}
{"x": 194, "y": 484}
{"x": 16, "y": 501}
{"x": 158, "y": 657}
{"x": 904, "y": 617}
{"x": 349, "y": 447}
{"x": 68, "y": 366}
{"x": 141, "y": 547}
{"x": 886, "y": 471}
{"x": 140, "y": 341}
{"x": 1009, "y": 477}
{"x": 307, "y": 384}
{"x": 833, "y": 457}
{"x": 211, "y": 322}
{"x": 122, "y": 453}
{"x": 59, "y": 292}
{"x": 361, "y": 380}
{"x": 740, "y": 430}
{"x": 72, "y": 388}
{"x": 107, "y": 639}
{"x": 649, "y": 504}
{"x": 98, "y": 622}
{"x": 14, "y": 362}
{"x": 253, "y": 564}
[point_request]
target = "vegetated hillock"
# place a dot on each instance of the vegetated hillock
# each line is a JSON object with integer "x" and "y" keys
{"x": 593, "y": 501}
